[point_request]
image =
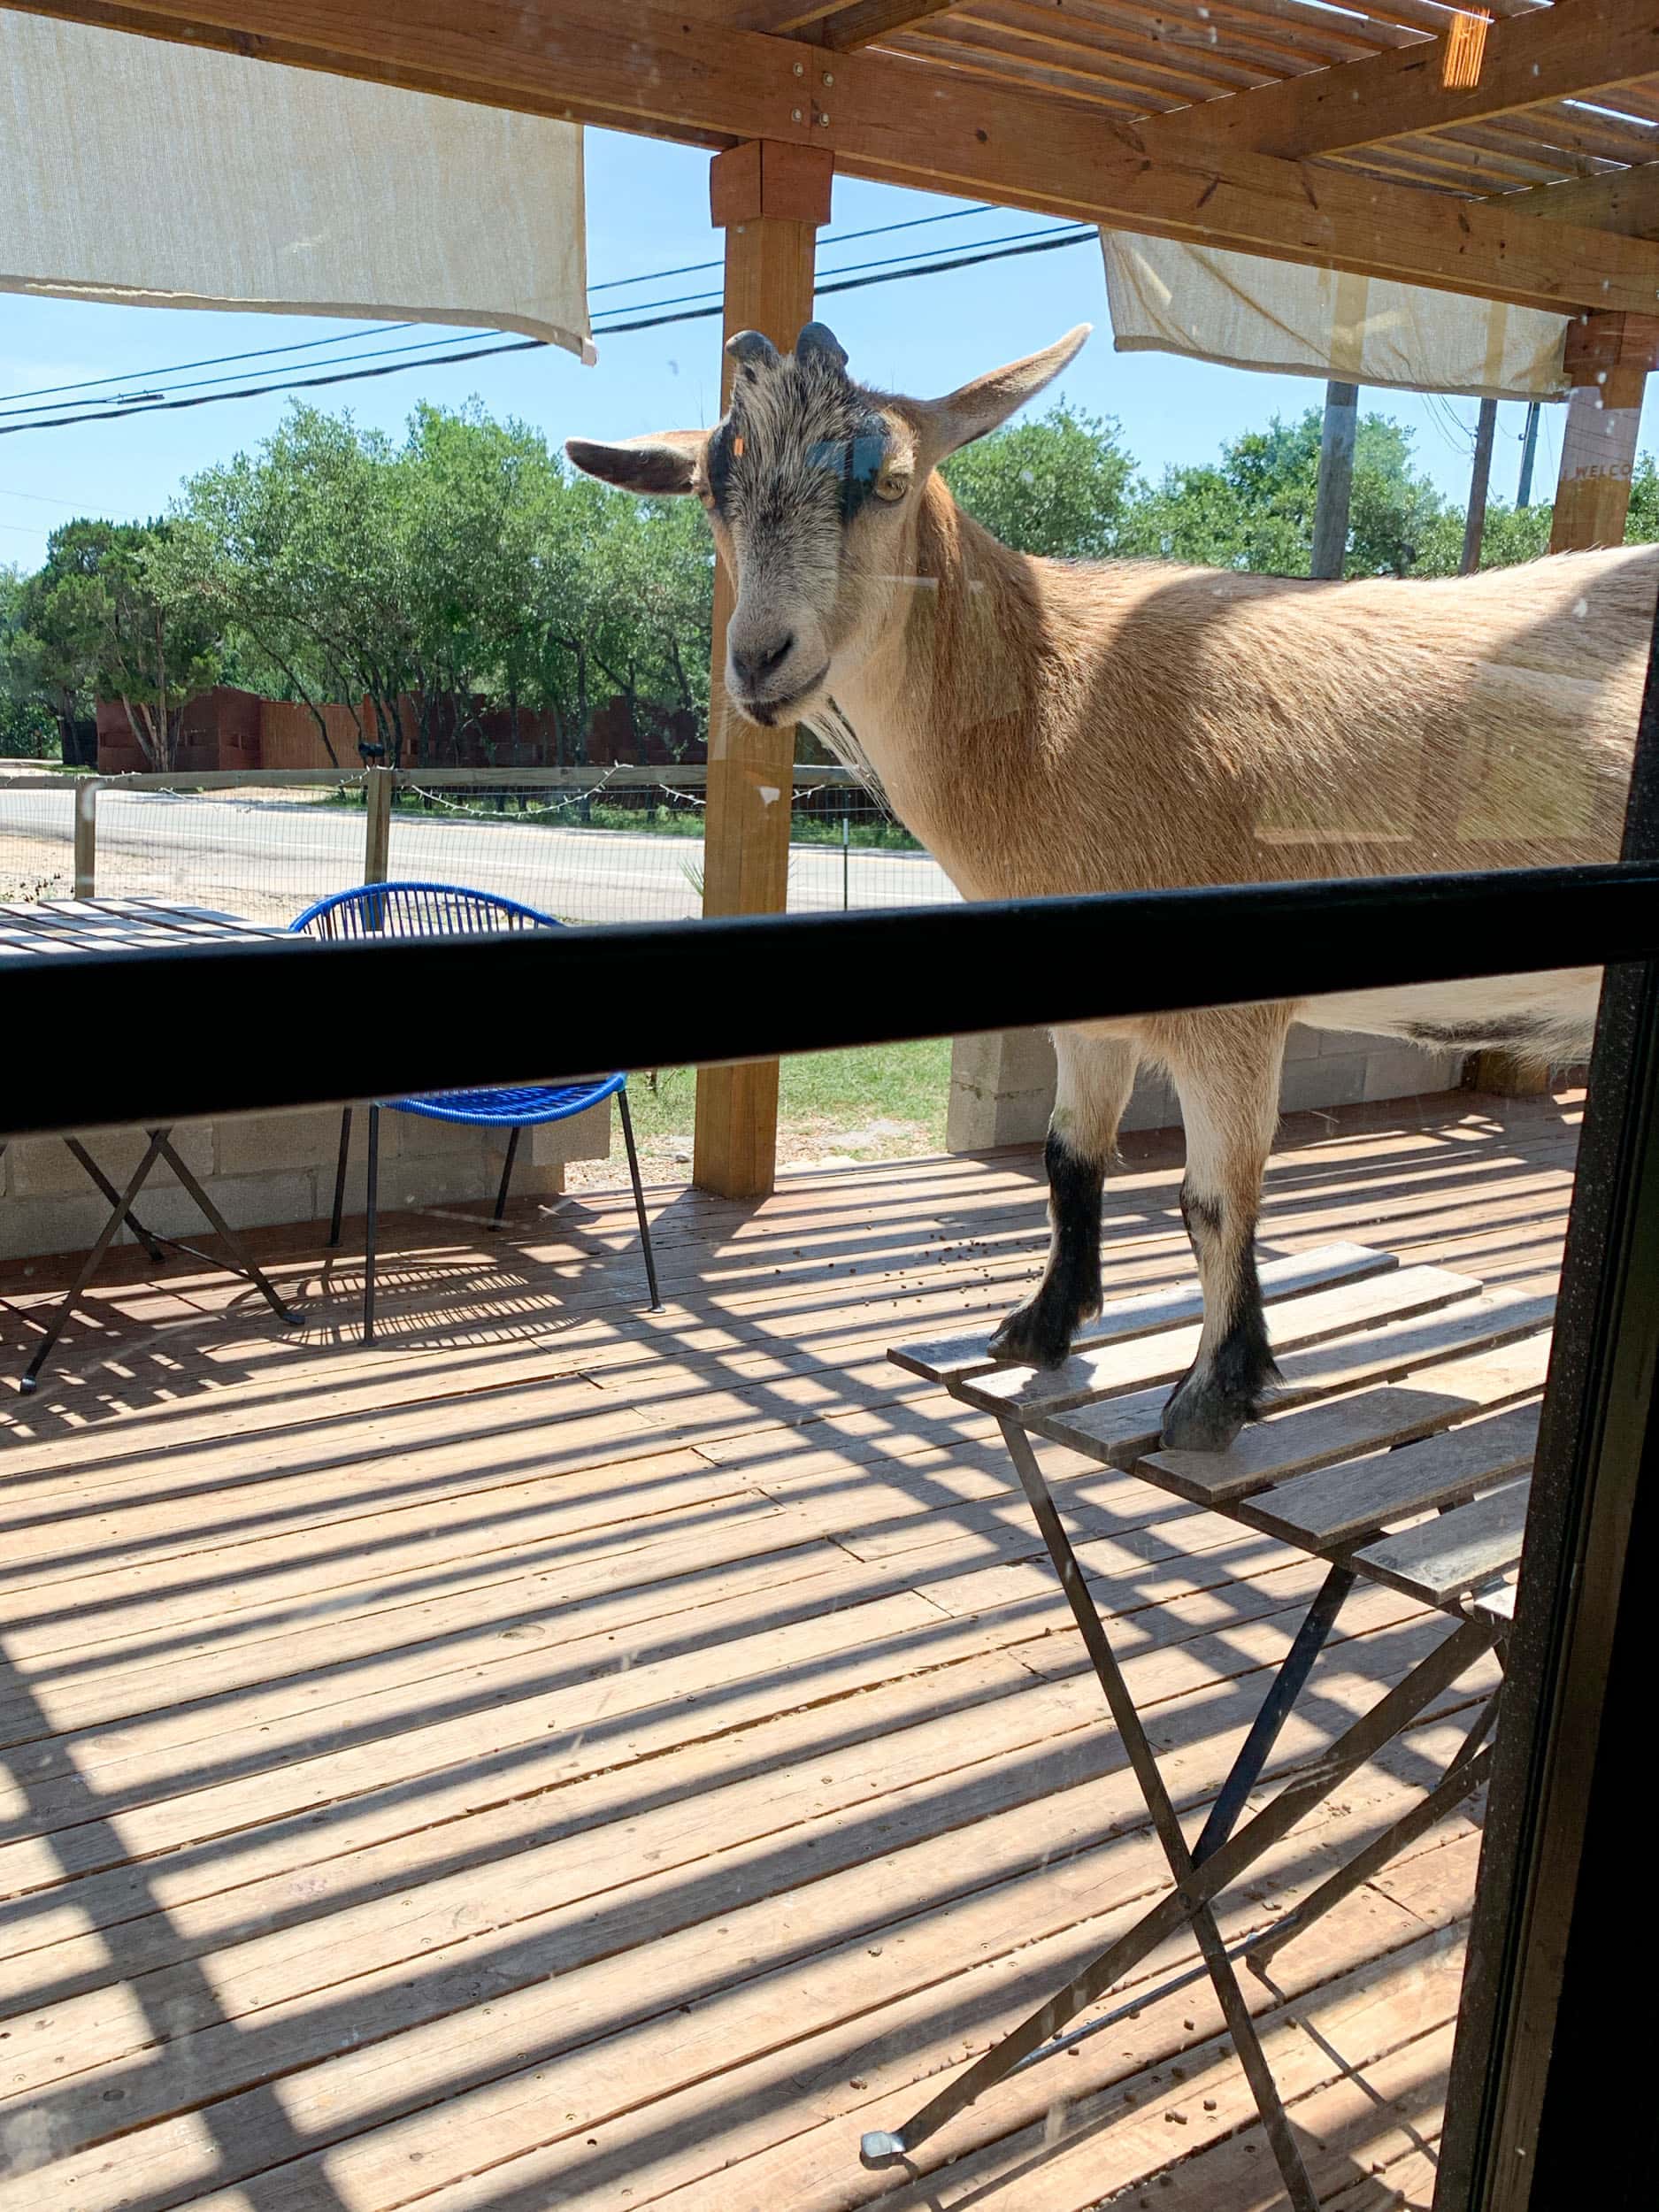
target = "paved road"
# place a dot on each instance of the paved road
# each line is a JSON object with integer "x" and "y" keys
{"x": 268, "y": 858}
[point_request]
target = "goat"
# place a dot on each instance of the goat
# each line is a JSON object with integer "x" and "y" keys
{"x": 1048, "y": 726}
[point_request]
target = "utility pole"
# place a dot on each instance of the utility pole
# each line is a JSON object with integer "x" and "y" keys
{"x": 1529, "y": 454}
{"x": 1336, "y": 479}
{"x": 1480, "y": 476}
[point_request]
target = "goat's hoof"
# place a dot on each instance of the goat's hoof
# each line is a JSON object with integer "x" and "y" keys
{"x": 1202, "y": 1417}
{"x": 1032, "y": 1338}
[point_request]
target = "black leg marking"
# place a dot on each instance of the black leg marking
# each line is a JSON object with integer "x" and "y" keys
{"x": 1039, "y": 1333}
{"x": 1212, "y": 1402}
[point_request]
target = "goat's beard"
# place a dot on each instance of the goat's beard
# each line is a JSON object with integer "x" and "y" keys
{"x": 829, "y": 725}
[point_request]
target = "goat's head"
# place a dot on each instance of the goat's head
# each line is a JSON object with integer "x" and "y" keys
{"x": 812, "y": 483}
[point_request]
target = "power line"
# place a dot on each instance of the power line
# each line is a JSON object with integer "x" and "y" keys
{"x": 257, "y": 391}
{"x": 845, "y": 268}
{"x": 888, "y": 274}
{"x": 387, "y": 330}
{"x": 383, "y": 353}
{"x": 844, "y": 238}
{"x": 212, "y": 361}
{"x": 859, "y": 284}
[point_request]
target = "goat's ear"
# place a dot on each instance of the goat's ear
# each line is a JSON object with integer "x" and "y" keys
{"x": 660, "y": 467}
{"x": 965, "y": 415}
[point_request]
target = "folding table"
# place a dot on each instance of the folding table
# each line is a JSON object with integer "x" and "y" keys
{"x": 57, "y": 927}
{"x": 1399, "y": 1452}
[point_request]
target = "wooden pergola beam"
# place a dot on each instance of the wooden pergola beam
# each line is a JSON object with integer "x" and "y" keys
{"x": 844, "y": 25}
{"x": 1627, "y": 201}
{"x": 902, "y": 122}
{"x": 1563, "y": 52}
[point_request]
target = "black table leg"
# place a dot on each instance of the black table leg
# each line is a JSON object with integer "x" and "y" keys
{"x": 1197, "y": 1884}
{"x": 89, "y": 1266}
{"x": 245, "y": 1264}
{"x": 152, "y": 1245}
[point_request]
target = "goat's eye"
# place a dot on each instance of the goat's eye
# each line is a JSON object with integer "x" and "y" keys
{"x": 892, "y": 488}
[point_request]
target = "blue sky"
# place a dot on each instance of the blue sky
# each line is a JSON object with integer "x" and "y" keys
{"x": 648, "y": 210}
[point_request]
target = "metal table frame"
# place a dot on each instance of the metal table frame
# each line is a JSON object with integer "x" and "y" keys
{"x": 1224, "y": 1851}
{"x": 66, "y": 927}
{"x": 160, "y": 1148}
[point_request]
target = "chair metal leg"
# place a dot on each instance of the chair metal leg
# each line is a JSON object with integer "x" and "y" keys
{"x": 89, "y": 1266}
{"x": 506, "y": 1174}
{"x": 340, "y": 1176}
{"x": 369, "y": 1231}
{"x": 639, "y": 1197}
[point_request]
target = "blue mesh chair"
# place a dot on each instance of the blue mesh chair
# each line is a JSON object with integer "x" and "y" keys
{"x": 441, "y": 909}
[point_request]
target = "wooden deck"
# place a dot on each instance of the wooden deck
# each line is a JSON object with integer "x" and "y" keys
{"x": 570, "y": 1756}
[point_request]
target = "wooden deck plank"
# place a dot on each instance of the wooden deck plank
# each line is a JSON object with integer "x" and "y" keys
{"x": 567, "y": 1898}
{"x": 79, "y": 1435}
{"x": 460, "y": 2081}
{"x": 391, "y": 1744}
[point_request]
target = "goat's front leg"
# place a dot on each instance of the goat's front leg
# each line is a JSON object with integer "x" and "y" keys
{"x": 1094, "y": 1076}
{"x": 1226, "y": 1065}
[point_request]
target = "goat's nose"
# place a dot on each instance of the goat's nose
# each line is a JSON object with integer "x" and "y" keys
{"x": 754, "y": 660}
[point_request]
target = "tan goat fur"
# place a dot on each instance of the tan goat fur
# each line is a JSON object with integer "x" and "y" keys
{"x": 1047, "y": 726}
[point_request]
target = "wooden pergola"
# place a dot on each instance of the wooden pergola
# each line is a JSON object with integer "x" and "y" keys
{"x": 1278, "y": 128}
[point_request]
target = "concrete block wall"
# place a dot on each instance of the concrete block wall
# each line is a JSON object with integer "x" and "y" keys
{"x": 1001, "y": 1085}
{"x": 265, "y": 1169}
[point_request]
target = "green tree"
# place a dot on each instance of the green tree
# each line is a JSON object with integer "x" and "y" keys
{"x": 94, "y": 624}
{"x": 1059, "y": 485}
{"x": 1643, "y": 525}
{"x": 28, "y": 727}
{"x": 1254, "y": 507}
{"x": 1509, "y": 534}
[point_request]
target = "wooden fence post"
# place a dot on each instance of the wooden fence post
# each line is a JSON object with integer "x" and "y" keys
{"x": 87, "y": 837}
{"x": 770, "y": 199}
{"x": 377, "y": 848}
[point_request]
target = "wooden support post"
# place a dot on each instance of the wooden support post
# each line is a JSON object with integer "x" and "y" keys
{"x": 377, "y": 847}
{"x": 770, "y": 199}
{"x": 1336, "y": 479}
{"x": 1608, "y": 359}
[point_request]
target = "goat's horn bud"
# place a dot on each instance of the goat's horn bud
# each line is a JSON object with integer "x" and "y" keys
{"x": 818, "y": 341}
{"x": 753, "y": 348}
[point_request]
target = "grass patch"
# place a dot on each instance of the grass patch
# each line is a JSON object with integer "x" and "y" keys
{"x": 882, "y": 1102}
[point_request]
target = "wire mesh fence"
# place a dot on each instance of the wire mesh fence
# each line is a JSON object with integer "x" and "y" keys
{"x": 249, "y": 850}
{"x": 622, "y": 844}
{"x": 37, "y": 838}
{"x": 631, "y": 849}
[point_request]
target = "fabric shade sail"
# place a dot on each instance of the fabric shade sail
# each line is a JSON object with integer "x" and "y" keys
{"x": 1251, "y": 313}
{"x": 163, "y": 175}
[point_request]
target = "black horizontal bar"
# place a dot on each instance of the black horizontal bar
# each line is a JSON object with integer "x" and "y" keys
{"x": 117, "y": 1038}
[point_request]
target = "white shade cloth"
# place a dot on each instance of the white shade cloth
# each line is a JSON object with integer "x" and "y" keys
{"x": 1252, "y": 314}
{"x": 169, "y": 176}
